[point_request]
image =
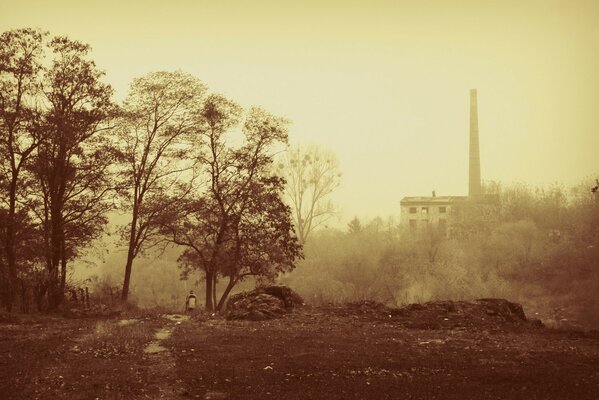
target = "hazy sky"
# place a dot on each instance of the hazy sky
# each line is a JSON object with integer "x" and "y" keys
{"x": 384, "y": 84}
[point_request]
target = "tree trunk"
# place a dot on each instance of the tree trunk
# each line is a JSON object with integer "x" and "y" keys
{"x": 3, "y": 284}
{"x": 56, "y": 238}
{"x": 126, "y": 282}
{"x": 130, "y": 253}
{"x": 209, "y": 291}
{"x": 225, "y": 295}
{"x": 63, "y": 267}
{"x": 214, "y": 281}
{"x": 40, "y": 292}
{"x": 63, "y": 272}
{"x": 10, "y": 246}
{"x": 24, "y": 298}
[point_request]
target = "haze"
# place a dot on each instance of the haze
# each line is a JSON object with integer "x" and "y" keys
{"x": 382, "y": 84}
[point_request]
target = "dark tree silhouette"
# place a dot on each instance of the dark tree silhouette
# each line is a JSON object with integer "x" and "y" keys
{"x": 71, "y": 162}
{"x": 238, "y": 226}
{"x": 21, "y": 53}
{"x": 160, "y": 114}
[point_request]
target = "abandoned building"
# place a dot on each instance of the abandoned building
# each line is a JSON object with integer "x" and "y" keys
{"x": 423, "y": 212}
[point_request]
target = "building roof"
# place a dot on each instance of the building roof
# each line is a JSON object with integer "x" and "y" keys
{"x": 419, "y": 200}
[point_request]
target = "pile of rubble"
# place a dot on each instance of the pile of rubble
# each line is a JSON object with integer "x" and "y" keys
{"x": 263, "y": 303}
{"x": 481, "y": 313}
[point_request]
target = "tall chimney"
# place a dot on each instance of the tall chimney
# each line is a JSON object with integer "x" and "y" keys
{"x": 474, "y": 186}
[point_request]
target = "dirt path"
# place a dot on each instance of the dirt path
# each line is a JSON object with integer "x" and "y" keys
{"x": 89, "y": 359}
{"x": 162, "y": 366}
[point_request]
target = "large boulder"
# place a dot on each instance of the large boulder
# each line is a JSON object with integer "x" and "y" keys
{"x": 505, "y": 309}
{"x": 263, "y": 303}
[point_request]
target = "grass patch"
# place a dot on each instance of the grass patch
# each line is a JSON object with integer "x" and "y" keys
{"x": 111, "y": 339}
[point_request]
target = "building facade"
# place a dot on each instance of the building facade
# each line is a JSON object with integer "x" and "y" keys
{"x": 425, "y": 212}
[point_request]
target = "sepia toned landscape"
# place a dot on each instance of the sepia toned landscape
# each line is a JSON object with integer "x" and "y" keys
{"x": 325, "y": 200}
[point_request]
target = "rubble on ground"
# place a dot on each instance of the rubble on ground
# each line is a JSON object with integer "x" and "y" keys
{"x": 263, "y": 303}
{"x": 481, "y": 313}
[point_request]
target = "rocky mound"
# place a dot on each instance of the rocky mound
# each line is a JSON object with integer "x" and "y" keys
{"x": 263, "y": 303}
{"x": 481, "y": 313}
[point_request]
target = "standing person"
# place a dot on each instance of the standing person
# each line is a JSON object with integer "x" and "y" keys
{"x": 190, "y": 303}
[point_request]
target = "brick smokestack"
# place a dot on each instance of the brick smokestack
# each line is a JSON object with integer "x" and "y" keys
{"x": 474, "y": 185}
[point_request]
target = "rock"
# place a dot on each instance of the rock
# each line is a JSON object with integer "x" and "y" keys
{"x": 216, "y": 396}
{"x": 447, "y": 314}
{"x": 289, "y": 297}
{"x": 504, "y": 308}
{"x": 263, "y": 303}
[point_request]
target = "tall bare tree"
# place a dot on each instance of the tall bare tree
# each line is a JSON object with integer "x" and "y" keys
{"x": 21, "y": 53}
{"x": 160, "y": 113}
{"x": 70, "y": 161}
{"x": 312, "y": 174}
{"x": 238, "y": 226}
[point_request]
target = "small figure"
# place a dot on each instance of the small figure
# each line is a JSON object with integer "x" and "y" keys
{"x": 86, "y": 297}
{"x": 190, "y": 303}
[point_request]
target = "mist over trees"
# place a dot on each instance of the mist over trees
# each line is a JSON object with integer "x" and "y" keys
{"x": 206, "y": 189}
{"x": 537, "y": 246}
{"x": 312, "y": 174}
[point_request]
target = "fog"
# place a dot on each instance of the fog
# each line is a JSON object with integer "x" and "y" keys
{"x": 537, "y": 246}
{"x": 384, "y": 88}
{"x": 384, "y": 85}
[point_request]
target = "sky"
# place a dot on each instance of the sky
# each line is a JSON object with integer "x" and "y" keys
{"x": 383, "y": 84}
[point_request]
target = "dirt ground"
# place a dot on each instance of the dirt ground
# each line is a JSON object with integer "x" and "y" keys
{"x": 312, "y": 353}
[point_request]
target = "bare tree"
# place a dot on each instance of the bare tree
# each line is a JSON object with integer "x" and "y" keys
{"x": 71, "y": 161}
{"x": 21, "y": 53}
{"x": 238, "y": 226}
{"x": 160, "y": 113}
{"x": 312, "y": 174}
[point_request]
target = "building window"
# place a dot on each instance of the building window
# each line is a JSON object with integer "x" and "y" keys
{"x": 424, "y": 210}
{"x": 413, "y": 210}
{"x": 412, "y": 224}
{"x": 442, "y": 210}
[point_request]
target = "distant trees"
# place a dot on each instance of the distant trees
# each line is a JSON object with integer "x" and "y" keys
{"x": 312, "y": 174}
{"x": 537, "y": 246}
{"x": 160, "y": 115}
{"x": 354, "y": 226}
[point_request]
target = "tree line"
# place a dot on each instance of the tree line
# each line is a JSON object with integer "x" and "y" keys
{"x": 535, "y": 246}
{"x": 188, "y": 167}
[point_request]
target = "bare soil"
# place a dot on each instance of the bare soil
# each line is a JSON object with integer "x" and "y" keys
{"x": 350, "y": 352}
